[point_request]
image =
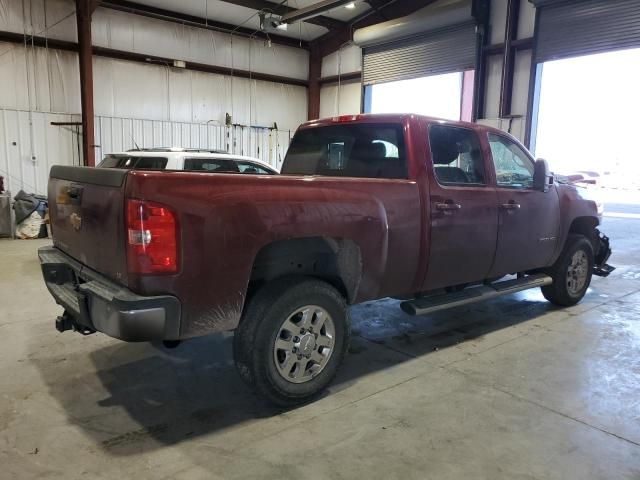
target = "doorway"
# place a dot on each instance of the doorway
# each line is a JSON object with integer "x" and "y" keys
{"x": 448, "y": 96}
{"x": 585, "y": 124}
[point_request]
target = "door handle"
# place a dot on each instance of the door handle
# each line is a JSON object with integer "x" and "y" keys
{"x": 448, "y": 206}
{"x": 511, "y": 205}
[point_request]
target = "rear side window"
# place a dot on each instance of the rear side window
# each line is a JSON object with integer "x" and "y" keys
{"x": 136, "y": 163}
{"x": 351, "y": 150}
{"x": 456, "y": 155}
{"x": 210, "y": 165}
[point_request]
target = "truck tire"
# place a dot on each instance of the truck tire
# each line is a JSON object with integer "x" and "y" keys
{"x": 292, "y": 338}
{"x": 571, "y": 273}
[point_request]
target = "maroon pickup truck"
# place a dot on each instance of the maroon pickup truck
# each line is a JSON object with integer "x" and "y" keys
{"x": 433, "y": 212}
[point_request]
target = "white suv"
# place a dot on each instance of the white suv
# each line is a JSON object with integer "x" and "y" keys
{"x": 186, "y": 159}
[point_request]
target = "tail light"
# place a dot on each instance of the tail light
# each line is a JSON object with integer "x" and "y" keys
{"x": 152, "y": 245}
{"x": 347, "y": 118}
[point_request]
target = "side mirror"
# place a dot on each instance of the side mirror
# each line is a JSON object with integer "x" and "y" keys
{"x": 542, "y": 177}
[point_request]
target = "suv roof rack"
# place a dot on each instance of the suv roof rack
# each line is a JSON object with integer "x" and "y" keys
{"x": 176, "y": 149}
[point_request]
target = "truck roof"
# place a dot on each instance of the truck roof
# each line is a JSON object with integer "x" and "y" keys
{"x": 396, "y": 118}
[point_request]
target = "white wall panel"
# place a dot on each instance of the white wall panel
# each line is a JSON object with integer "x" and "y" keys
{"x": 26, "y": 166}
{"x": 522, "y": 70}
{"x": 134, "y": 33}
{"x": 527, "y": 19}
{"x": 340, "y": 100}
{"x": 497, "y": 21}
{"x": 135, "y": 90}
{"x": 128, "y": 89}
{"x": 492, "y": 89}
{"x": 53, "y": 79}
{"x": 53, "y": 18}
{"x": 346, "y": 60}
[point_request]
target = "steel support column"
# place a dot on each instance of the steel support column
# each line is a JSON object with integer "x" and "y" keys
{"x": 510, "y": 35}
{"x": 313, "y": 92}
{"x": 84, "y": 10}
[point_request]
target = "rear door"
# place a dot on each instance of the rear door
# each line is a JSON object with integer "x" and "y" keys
{"x": 529, "y": 219}
{"x": 464, "y": 213}
{"x": 86, "y": 210}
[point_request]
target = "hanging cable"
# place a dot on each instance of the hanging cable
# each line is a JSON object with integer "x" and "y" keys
{"x": 28, "y": 69}
{"x": 46, "y": 55}
{"x": 12, "y": 48}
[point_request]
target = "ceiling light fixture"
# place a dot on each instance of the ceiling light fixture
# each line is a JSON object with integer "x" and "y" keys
{"x": 314, "y": 10}
{"x": 350, "y": 6}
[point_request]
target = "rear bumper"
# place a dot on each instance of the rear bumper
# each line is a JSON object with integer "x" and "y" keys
{"x": 96, "y": 303}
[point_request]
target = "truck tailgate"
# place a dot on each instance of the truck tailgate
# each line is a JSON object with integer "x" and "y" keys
{"x": 86, "y": 209}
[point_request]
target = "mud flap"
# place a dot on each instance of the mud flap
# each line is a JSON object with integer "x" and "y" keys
{"x": 600, "y": 266}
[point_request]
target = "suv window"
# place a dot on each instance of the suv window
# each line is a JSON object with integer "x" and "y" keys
{"x": 136, "y": 163}
{"x": 366, "y": 150}
{"x": 210, "y": 165}
{"x": 248, "y": 167}
{"x": 514, "y": 168}
{"x": 456, "y": 155}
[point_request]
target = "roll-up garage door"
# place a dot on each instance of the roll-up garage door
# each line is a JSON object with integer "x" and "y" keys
{"x": 568, "y": 28}
{"x": 449, "y": 49}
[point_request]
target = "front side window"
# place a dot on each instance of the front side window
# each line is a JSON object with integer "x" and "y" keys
{"x": 248, "y": 167}
{"x": 456, "y": 155}
{"x": 366, "y": 150}
{"x": 514, "y": 168}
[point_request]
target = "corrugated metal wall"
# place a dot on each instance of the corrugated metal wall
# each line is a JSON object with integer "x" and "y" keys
{"x": 583, "y": 27}
{"x": 25, "y": 164}
{"x": 149, "y": 104}
{"x": 29, "y": 145}
{"x": 446, "y": 50}
{"x": 119, "y": 134}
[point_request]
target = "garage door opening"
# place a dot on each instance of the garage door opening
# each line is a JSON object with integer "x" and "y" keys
{"x": 585, "y": 117}
{"x": 448, "y": 96}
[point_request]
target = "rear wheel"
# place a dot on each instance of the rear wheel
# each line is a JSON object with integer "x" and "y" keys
{"x": 571, "y": 273}
{"x": 292, "y": 338}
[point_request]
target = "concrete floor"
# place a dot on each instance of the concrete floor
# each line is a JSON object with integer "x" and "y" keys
{"x": 512, "y": 389}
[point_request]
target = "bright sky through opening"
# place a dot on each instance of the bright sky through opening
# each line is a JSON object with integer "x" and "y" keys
{"x": 588, "y": 117}
{"x": 436, "y": 96}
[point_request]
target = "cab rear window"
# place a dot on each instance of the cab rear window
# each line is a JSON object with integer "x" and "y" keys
{"x": 133, "y": 162}
{"x": 370, "y": 150}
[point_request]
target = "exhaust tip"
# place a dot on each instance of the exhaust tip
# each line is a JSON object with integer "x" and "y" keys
{"x": 408, "y": 308}
{"x": 171, "y": 344}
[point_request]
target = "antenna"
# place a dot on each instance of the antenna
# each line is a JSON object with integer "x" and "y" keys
{"x": 134, "y": 141}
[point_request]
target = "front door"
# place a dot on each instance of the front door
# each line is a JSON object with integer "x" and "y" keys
{"x": 529, "y": 220}
{"x": 464, "y": 209}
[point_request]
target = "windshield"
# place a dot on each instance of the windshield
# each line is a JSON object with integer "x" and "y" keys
{"x": 366, "y": 150}
{"x": 136, "y": 163}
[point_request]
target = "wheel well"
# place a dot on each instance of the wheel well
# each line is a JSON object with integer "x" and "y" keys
{"x": 586, "y": 226}
{"x": 336, "y": 261}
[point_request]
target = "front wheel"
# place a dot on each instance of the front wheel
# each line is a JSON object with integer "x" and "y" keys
{"x": 291, "y": 340}
{"x": 571, "y": 273}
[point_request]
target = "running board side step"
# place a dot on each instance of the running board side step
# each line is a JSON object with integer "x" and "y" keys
{"x": 422, "y": 306}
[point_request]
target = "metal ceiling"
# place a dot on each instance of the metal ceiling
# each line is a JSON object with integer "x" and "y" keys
{"x": 236, "y": 13}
